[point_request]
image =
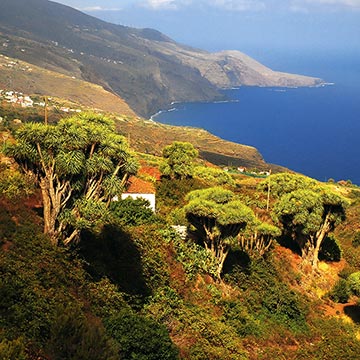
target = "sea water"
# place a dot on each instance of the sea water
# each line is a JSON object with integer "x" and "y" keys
{"x": 315, "y": 131}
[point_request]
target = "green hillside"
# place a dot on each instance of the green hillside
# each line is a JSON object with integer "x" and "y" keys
{"x": 142, "y": 66}
{"x": 128, "y": 286}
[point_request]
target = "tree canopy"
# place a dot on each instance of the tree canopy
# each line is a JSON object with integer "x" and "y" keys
{"x": 308, "y": 216}
{"x": 284, "y": 183}
{"x": 218, "y": 217}
{"x": 80, "y": 164}
{"x": 179, "y": 159}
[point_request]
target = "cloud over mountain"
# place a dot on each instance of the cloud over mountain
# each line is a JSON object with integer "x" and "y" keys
{"x": 224, "y": 5}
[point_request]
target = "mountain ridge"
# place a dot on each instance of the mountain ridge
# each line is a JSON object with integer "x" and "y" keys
{"x": 143, "y": 66}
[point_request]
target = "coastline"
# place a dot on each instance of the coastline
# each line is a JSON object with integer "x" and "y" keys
{"x": 274, "y": 88}
{"x": 288, "y": 126}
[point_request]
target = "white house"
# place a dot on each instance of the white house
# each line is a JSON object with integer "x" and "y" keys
{"x": 139, "y": 188}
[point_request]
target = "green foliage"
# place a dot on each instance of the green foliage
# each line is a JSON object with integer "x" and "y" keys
{"x": 285, "y": 183}
{"x": 14, "y": 184}
{"x": 354, "y": 283}
{"x": 215, "y": 340}
{"x": 285, "y": 306}
{"x": 105, "y": 298}
{"x": 113, "y": 254}
{"x": 7, "y": 225}
{"x": 257, "y": 238}
{"x": 179, "y": 160}
{"x": 193, "y": 257}
{"x": 237, "y": 315}
{"x": 267, "y": 298}
{"x": 36, "y": 280}
{"x": 356, "y": 240}
{"x": 308, "y": 217}
{"x": 153, "y": 251}
{"x": 77, "y": 162}
{"x": 90, "y": 215}
{"x": 133, "y": 212}
{"x": 74, "y": 337}
{"x": 217, "y": 217}
{"x": 12, "y": 349}
{"x": 177, "y": 217}
{"x": 171, "y": 193}
{"x": 140, "y": 338}
{"x": 330, "y": 339}
{"x": 340, "y": 293}
{"x": 213, "y": 176}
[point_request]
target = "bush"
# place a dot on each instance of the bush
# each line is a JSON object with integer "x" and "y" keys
{"x": 214, "y": 176}
{"x": 133, "y": 212}
{"x": 140, "y": 338}
{"x": 14, "y": 184}
{"x": 340, "y": 293}
{"x": 36, "y": 280}
{"x": 356, "y": 240}
{"x": 237, "y": 316}
{"x": 171, "y": 193}
{"x": 285, "y": 306}
{"x": 354, "y": 283}
{"x": 12, "y": 350}
{"x": 74, "y": 337}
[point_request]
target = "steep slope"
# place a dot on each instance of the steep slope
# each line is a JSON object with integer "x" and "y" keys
{"x": 143, "y": 66}
{"x": 151, "y": 137}
{"x": 23, "y": 77}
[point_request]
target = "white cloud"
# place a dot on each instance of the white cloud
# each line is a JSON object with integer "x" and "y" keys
{"x": 239, "y": 5}
{"x": 350, "y": 3}
{"x": 162, "y": 4}
{"x": 328, "y": 4}
{"x": 98, "y": 8}
{"x": 298, "y": 9}
{"x": 228, "y": 5}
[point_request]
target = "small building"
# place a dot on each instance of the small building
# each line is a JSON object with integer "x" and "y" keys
{"x": 139, "y": 188}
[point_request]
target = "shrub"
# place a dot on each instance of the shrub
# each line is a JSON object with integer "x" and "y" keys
{"x": 140, "y": 338}
{"x": 13, "y": 184}
{"x": 133, "y": 212}
{"x": 74, "y": 337}
{"x": 12, "y": 350}
{"x": 237, "y": 315}
{"x": 354, "y": 283}
{"x": 214, "y": 176}
{"x": 285, "y": 306}
{"x": 340, "y": 292}
{"x": 36, "y": 280}
{"x": 356, "y": 240}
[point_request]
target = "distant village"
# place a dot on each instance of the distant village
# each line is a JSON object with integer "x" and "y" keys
{"x": 245, "y": 171}
{"x": 18, "y": 98}
{"x": 25, "y": 101}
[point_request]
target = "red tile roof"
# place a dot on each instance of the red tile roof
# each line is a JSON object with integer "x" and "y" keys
{"x": 151, "y": 171}
{"x": 139, "y": 186}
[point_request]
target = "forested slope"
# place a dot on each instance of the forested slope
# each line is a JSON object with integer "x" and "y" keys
{"x": 132, "y": 287}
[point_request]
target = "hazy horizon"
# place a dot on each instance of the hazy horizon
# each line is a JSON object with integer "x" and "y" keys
{"x": 253, "y": 26}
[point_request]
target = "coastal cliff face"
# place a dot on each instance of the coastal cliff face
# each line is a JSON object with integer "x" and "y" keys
{"x": 142, "y": 66}
{"x": 231, "y": 68}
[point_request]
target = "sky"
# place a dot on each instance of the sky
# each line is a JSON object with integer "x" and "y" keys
{"x": 257, "y": 27}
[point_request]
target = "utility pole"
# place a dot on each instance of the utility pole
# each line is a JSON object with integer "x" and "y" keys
{"x": 268, "y": 194}
{"x": 46, "y": 110}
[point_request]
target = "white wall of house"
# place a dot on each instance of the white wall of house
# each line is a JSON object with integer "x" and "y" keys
{"x": 148, "y": 197}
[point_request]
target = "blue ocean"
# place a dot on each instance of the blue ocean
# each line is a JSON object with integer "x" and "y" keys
{"x": 314, "y": 131}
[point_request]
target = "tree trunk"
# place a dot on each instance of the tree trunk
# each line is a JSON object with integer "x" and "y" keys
{"x": 48, "y": 213}
{"x": 222, "y": 254}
